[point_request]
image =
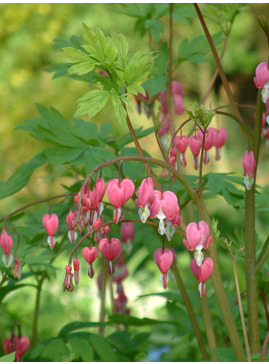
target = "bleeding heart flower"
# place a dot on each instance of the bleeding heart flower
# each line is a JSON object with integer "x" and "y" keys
{"x": 197, "y": 239}
{"x": 50, "y": 223}
{"x": 110, "y": 250}
{"x": 164, "y": 259}
{"x": 220, "y": 140}
{"x": 118, "y": 194}
{"x": 16, "y": 271}
{"x": 262, "y": 75}
{"x": 127, "y": 236}
{"x": 144, "y": 198}
{"x": 76, "y": 270}
{"x": 164, "y": 206}
{"x": 202, "y": 273}
{"x": 195, "y": 146}
{"x": 17, "y": 344}
{"x": 90, "y": 254}
{"x": 68, "y": 284}
{"x": 249, "y": 165}
{"x": 208, "y": 142}
{"x": 6, "y": 243}
{"x": 181, "y": 144}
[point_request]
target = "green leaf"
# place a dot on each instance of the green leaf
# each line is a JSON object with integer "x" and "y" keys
{"x": 122, "y": 45}
{"x": 119, "y": 110}
{"x": 96, "y": 155}
{"x": 197, "y": 50}
{"x": 225, "y": 354}
{"x": 8, "y": 358}
{"x": 105, "y": 130}
{"x": 155, "y": 85}
{"x": 155, "y": 27}
{"x": 58, "y": 156}
{"x": 135, "y": 321}
{"x": 140, "y": 133}
{"x": 138, "y": 68}
{"x": 135, "y": 89}
{"x": 77, "y": 325}
{"x": 73, "y": 55}
{"x": 82, "y": 68}
{"x": 21, "y": 176}
{"x": 10, "y": 288}
{"x": 103, "y": 348}
{"x": 54, "y": 350}
{"x": 81, "y": 349}
{"x": 92, "y": 102}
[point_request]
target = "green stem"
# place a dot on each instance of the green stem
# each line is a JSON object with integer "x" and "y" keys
{"x": 210, "y": 334}
{"x": 139, "y": 149}
{"x": 219, "y": 66}
{"x": 191, "y": 313}
{"x": 221, "y": 294}
{"x": 35, "y": 203}
{"x": 170, "y": 58}
{"x": 210, "y": 87}
{"x": 103, "y": 298}
{"x": 250, "y": 252}
{"x": 36, "y": 310}
{"x": 263, "y": 352}
{"x": 241, "y": 310}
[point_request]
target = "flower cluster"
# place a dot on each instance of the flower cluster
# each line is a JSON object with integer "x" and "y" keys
{"x": 88, "y": 214}
{"x": 198, "y": 238}
{"x": 17, "y": 344}
{"x": 212, "y": 138}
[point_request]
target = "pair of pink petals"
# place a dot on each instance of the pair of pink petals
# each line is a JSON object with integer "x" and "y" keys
{"x": 202, "y": 273}
{"x": 118, "y": 192}
{"x": 17, "y": 344}
{"x": 197, "y": 234}
{"x": 164, "y": 259}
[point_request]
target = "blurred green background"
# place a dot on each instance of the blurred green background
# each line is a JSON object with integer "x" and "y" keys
{"x": 27, "y": 33}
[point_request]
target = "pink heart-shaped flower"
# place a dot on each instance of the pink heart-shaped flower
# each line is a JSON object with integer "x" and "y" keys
{"x": 50, "y": 223}
{"x": 90, "y": 254}
{"x": 110, "y": 248}
{"x": 163, "y": 259}
{"x": 202, "y": 273}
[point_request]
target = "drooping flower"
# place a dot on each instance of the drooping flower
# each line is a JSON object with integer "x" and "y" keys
{"x": 118, "y": 194}
{"x": 164, "y": 259}
{"x": 50, "y": 223}
{"x": 144, "y": 198}
{"x": 110, "y": 250}
{"x": 181, "y": 144}
{"x": 99, "y": 189}
{"x": 249, "y": 165}
{"x": 164, "y": 206}
{"x": 17, "y": 344}
{"x": 208, "y": 142}
{"x": 68, "y": 284}
{"x": 121, "y": 271}
{"x": 262, "y": 75}
{"x": 202, "y": 273}
{"x": 195, "y": 146}
{"x": 221, "y": 136}
{"x": 76, "y": 270}
{"x": 90, "y": 254}
{"x": 6, "y": 243}
{"x": 261, "y": 80}
{"x": 198, "y": 238}
{"x": 16, "y": 271}
{"x": 127, "y": 236}
{"x": 70, "y": 220}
